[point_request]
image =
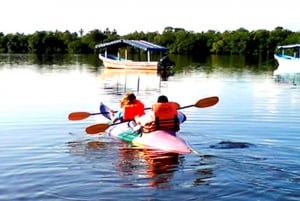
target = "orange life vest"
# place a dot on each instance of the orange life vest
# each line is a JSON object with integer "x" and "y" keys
{"x": 132, "y": 110}
{"x": 165, "y": 118}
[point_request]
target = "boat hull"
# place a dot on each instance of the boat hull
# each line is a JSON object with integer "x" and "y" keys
{"x": 128, "y": 64}
{"x": 287, "y": 65}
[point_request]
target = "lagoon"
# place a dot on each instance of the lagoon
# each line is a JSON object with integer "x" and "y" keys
{"x": 248, "y": 144}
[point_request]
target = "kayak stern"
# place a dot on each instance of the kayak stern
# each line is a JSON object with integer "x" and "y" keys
{"x": 162, "y": 140}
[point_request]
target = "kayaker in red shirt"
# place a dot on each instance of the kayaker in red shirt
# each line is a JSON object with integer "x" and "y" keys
{"x": 130, "y": 108}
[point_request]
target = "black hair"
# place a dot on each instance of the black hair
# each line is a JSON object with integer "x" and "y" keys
{"x": 131, "y": 97}
{"x": 162, "y": 99}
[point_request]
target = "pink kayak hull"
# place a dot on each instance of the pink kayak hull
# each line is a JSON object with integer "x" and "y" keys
{"x": 161, "y": 140}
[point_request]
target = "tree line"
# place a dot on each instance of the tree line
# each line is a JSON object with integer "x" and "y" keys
{"x": 178, "y": 40}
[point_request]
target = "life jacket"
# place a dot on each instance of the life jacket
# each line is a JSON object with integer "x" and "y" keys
{"x": 133, "y": 110}
{"x": 165, "y": 118}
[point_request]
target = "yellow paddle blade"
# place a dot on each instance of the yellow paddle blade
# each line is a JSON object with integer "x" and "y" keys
{"x": 207, "y": 102}
{"x": 96, "y": 128}
{"x": 74, "y": 116}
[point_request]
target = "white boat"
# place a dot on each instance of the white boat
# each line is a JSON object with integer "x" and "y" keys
{"x": 288, "y": 58}
{"x": 121, "y": 46}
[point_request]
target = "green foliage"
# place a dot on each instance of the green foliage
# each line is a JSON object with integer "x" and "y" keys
{"x": 178, "y": 40}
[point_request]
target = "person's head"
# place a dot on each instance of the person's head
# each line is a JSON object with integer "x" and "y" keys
{"x": 162, "y": 99}
{"x": 128, "y": 98}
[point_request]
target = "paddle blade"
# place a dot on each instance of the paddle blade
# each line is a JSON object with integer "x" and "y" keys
{"x": 97, "y": 128}
{"x": 74, "y": 116}
{"x": 207, "y": 102}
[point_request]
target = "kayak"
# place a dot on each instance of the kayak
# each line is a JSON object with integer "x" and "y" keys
{"x": 160, "y": 140}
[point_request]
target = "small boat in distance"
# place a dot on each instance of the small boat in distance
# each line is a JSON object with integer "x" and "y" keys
{"x": 288, "y": 58}
{"x": 143, "y": 62}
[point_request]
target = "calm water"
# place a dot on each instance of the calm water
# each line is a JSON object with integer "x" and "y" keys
{"x": 248, "y": 144}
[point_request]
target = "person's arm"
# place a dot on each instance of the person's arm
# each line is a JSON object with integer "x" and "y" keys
{"x": 181, "y": 117}
{"x": 116, "y": 116}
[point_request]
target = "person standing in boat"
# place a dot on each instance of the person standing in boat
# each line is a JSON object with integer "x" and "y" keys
{"x": 130, "y": 108}
{"x": 163, "y": 116}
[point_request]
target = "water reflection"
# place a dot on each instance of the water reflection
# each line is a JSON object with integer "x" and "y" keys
{"x": 118, "y": 81}
{"x": 154, "y": 167}
{"x": 143, "y": 167}
{"x": 289, "y": 78}
{"x": 85, "y": 145}
{"x": 90, "y": 61}
{"x": 157, "y": 168}
{"x": 203, "y": 174}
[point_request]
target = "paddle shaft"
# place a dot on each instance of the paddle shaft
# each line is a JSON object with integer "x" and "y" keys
{"x": 187, "y": 106}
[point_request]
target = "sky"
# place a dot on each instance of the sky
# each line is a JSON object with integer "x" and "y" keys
{"x": 128, "y": 16}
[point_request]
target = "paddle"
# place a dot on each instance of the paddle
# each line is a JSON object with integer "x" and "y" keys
{"x": 202, "y": 103}
{"x": 97, "y": 128}
{"x": 75, "y": 116}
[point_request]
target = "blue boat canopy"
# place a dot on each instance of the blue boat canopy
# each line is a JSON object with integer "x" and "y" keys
{"x": 141, "y": 44}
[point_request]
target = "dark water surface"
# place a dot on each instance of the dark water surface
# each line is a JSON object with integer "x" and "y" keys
{"x": 248, "y": 144}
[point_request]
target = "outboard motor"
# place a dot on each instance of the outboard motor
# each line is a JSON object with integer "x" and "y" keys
{"x": 165, "y": 63}
{"x": 165, "y": 73}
